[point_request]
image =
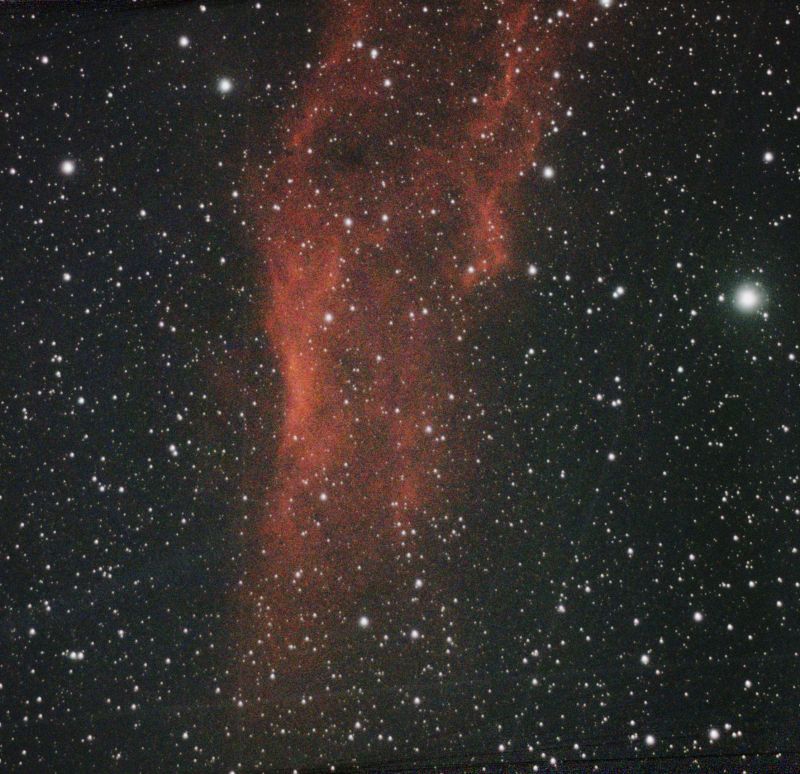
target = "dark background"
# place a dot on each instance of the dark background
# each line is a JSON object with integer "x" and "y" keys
{"x": 119, "y": 558}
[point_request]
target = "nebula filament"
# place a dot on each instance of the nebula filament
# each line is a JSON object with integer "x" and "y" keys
{"x": 385, "y": 225}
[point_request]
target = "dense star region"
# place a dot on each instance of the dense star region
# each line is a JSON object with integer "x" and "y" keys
{"x": 399, "y": 385}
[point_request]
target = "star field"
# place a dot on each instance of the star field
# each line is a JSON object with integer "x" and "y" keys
{"x": 392, "y": 385}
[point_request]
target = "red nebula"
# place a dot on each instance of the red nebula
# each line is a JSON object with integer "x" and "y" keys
{"x": 383, "y": 224}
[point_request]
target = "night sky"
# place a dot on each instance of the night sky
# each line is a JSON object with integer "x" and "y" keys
{"x": 395, "y": 384}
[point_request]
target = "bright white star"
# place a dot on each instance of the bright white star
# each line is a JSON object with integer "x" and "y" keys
{"x": 748, "y": 298}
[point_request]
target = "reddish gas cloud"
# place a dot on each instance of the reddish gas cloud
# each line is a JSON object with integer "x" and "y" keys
{"x": 384, "y": 222}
